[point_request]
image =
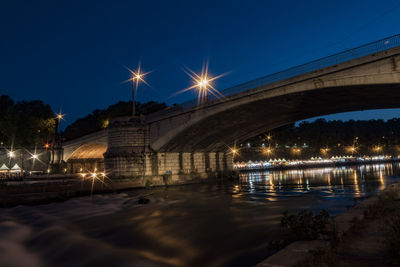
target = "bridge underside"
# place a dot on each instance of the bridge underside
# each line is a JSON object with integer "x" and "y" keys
{"x": 87, "y": 158}
{"x": 238, "y": 124}
{"x": 89, "y": 151}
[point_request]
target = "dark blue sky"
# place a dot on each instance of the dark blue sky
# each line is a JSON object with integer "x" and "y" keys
{"x": 71, "y": 54}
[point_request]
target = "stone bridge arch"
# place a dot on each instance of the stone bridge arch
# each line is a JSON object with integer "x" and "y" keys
{"x": 87, "y": 158}
{"x": 370, "y": 82}
{"x": 85, "y": 153}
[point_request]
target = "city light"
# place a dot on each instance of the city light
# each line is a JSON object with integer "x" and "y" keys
{"x": 203, "y": 84}
{"x": 324, "y": 151}
{"x": 34, "y": 156}
{"x": 296, "y": 151}
{"x": 351, "y": 149}
{"x": 377, "y": 148}
{"x": 11, "y": 154}
{"x": 136, "y": 77}
{"x": 93, "y": 177}
{"x": 60, "y": 116}
{"x": 267, "y": 151}
{"x": 233, "y": 150}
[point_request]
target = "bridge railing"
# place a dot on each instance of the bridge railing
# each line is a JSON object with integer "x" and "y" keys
{"x": 364, "y": 50}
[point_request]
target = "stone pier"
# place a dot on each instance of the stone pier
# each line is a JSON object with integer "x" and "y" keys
{"x": 129, "y": 155}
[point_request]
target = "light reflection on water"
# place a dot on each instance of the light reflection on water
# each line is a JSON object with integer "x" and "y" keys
{"x": 334, "y": 188}
{"x": 213, "y": 224}
{"x": 360, "y": 180}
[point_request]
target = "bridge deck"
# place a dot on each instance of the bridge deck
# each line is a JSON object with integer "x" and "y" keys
{"x": 345, "y": 56}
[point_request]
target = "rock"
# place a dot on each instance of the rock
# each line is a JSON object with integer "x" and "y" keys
{"x": 143, "y": 200}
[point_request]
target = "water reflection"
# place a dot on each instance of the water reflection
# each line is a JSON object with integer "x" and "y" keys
{"x": 304, "y": 178}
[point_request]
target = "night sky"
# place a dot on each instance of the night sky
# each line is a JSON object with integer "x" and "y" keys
{"x": 72, "y": 54}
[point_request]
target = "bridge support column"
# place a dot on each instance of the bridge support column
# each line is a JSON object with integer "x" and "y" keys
{"x": 220, "y": 161}
{"x": 186, "y": 163}
{"x": 127, "y": 154}
{"x": 212, "y": 167}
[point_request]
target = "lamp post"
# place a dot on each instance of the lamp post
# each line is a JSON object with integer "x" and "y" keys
{"x": 59, "y": 117}
{"x": 134, "y": 88}
{"x": 137, "y": 76}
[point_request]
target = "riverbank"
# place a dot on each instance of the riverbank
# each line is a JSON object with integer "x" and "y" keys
{"x": 57, "y": 188}
{"x": 372, "y": 238}
{"x": 368, "y": 234}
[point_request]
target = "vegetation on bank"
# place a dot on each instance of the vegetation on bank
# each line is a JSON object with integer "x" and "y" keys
{"x": 373, "y": 241}
{"x": 301, "y": 227}
{"x": 25, "y": 123}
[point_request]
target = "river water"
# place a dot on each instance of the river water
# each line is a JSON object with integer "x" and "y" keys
{"x": 213, "y": 224}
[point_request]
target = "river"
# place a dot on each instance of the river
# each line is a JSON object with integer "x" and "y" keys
{"x": 212, "y": 224}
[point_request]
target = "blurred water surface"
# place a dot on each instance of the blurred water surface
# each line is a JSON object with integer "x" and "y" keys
{"x": 212, "y": 224}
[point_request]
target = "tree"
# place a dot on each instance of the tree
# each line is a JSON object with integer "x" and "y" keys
{"x": 25, "y": 123}
{"x": 99, "y": 119}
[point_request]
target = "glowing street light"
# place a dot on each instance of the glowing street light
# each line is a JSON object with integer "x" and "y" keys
{"x": 11, "y": 154}
{"x": 136, "y": 77}
{"x": 324, "y": 151}
{"x": 352, "y": 149}
{"x": 267, "y": 151}
{"x": 59, "y": 118}
{"x": 203, "y": 84}
{"x": 233, "y": 151}
{"x": 296, "y": 151}
{"x": 377, "y": 148}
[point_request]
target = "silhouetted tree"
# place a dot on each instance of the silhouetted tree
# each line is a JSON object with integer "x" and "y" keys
{"x": 25, "y": 123}
{"x": 99, "y": 119}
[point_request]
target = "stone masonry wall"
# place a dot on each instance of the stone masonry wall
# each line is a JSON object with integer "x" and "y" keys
{"x": 129, "y": 156}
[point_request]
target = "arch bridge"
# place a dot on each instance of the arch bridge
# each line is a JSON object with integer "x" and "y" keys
{"x": 191, "y": 141}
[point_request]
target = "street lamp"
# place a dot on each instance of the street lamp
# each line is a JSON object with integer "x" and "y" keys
{"x": 233, "y": 151}
{"x": 11, "y": 154}
{"x": 377, "y": 148}
{"x": 136, "y": 77}
{"x": 59, "y": 117}
{"x": 203, "y": 84}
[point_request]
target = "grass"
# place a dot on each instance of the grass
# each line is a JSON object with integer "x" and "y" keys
{"x": 302, "y": 226}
